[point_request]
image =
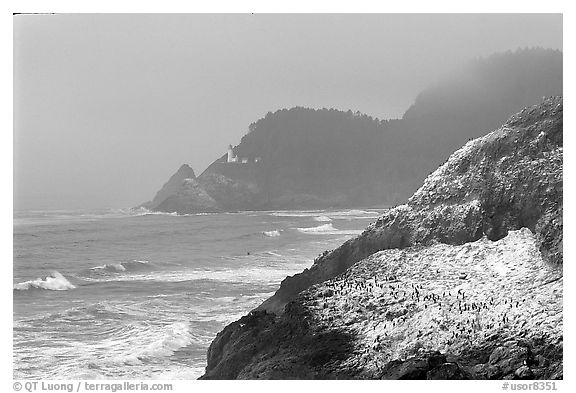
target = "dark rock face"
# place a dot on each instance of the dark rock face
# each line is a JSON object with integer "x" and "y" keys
{"x": 314, "y": 328}
{"x": 536, "y": 358}
{"x": 446, "y": 371}
{"x": 171, "y": 187}
{"x": 190, "y": 198}
{"x": 297, "y": 351}
{"x": 231, "y": 194}
{"x": 432, "y": 365}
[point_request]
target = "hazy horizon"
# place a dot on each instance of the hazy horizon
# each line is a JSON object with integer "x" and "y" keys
{"x": 108, "y": 106}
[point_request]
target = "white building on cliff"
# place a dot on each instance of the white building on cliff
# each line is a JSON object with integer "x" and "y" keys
{"x": 244, "y": 160}
{"x": 231, "y": 156}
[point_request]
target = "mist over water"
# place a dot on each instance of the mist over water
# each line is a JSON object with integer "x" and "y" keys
{"x": 131, "y": 294}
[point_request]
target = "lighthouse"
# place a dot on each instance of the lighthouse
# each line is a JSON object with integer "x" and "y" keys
{"x": 231, "y": 156}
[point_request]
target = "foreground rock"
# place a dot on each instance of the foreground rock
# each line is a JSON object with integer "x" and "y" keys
{"x": 506, "y": 180}
{"x": 464, "y": 281}
{"x": 483, "y": 310}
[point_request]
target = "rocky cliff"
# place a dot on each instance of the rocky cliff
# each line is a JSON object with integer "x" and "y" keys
{"x": 302, "y": 158}
{"x": 191, "y": 197}
{"x": 462, "y": 281}
{"x": 171, "y": 187}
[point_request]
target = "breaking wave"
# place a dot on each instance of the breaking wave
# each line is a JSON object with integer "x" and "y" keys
{"x": 275, "y": 233}
{"x": 327, "y": 216}
{"x": 142, "y": 211}
{"x": 176, "y": 336}
{"x": 123, "y": 266}
{"x": 294, "y": 213}
{"x": 117, "y": 267}
{"x": 272, "y": 253}
{"x": 320, "y": 229}
{"x": 108, "y": 269}
{"x": 328, "y": 229}
{"x": 354, "y": 214}
{"x": 54, "y": 282}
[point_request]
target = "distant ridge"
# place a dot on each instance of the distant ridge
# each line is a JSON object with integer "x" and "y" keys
{"x": 321, "y": 158}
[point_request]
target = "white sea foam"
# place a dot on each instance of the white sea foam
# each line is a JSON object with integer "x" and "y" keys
{"x": 141, "y": 346}
{"x": 120, "y": 267}
{"x": 111, "y": 266}
{"x": 143, "y": 262}
{"x": 274, "y": 233}
{"x": 54, "y": 282}
{"x": 272, "y": 253}
{"x": 326, "y": 216}
{"x": 354, "y": 214}
{"x": 318, "y": 229}
{"x": 303, "y": 213}
{"x": 176, "y": 336}
{"x": 131, "y": 335}
{"x": 259, "y": 272}
{"x": 328, "y": 229}
{"x": 187, "y": 373}
{"x": 142, "y": 211}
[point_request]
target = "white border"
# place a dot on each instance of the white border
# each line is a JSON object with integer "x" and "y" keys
{"x": 262, "y": 6}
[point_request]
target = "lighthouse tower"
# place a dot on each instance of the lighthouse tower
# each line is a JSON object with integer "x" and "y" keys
{"x": 231, "y": 156}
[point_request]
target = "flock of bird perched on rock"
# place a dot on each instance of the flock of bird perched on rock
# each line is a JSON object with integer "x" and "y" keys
{"x": 416, "y": 296}
{"x": 395, "y": 304}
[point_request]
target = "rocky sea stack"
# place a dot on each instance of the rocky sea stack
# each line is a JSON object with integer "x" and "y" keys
{"x": 464, "y": 281}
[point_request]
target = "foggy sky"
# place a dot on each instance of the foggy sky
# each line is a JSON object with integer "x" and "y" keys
{"x": 107, "y": 107}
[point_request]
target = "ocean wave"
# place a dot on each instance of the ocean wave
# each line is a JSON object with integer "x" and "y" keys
{"x": 118, "y": 267}
{"x": 175, "y": 337}
{"x": 274, "y": 233}
{"x": 326, "y": 216}
{"x": 140, "y": 344}
{"x": 271, "y": 253}
{"x": 354, "y": 214}
{"x": 55, "y": 282}
{"x": 142, "y": 211}
{"x": 328, "y": 229}
{"x": 302, "y": 213}
{"x": 319, "y": 229}
{"x": 57, "y": 216}
{"x": 259, "y": 272}
{"x": 146, "y": 348}
{"x": 112, "y": 268}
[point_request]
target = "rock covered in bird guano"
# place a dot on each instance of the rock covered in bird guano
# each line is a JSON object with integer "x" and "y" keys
{"x": 509, "y": 179}
{"x": 464, "y": 281}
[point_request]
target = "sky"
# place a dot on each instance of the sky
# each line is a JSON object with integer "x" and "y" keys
{"x": 108, "y": 106}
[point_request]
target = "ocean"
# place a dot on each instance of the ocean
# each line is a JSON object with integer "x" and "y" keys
{"x": 131, "y": 294}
